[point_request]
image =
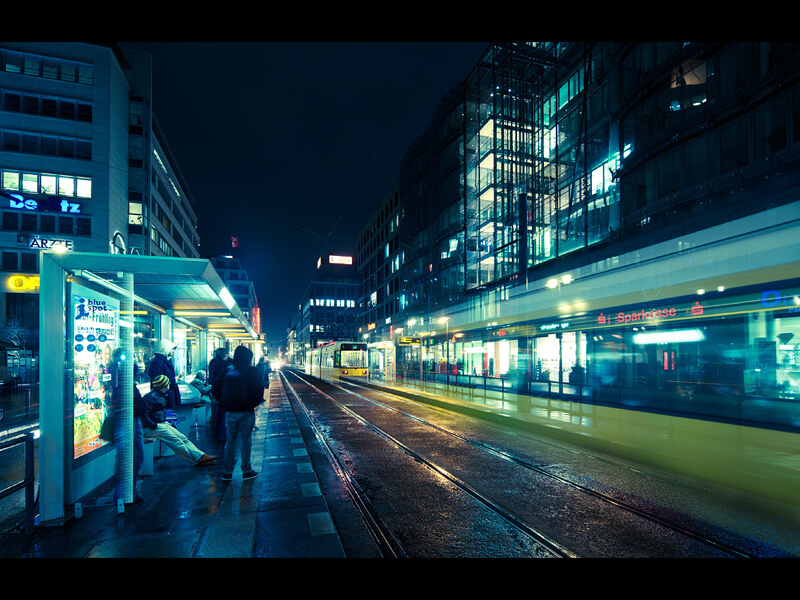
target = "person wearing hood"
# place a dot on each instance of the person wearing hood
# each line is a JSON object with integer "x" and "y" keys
{"x": 216, "y": 368}
{"x": 240, "y": 390}
{"x": 162, "y": 365}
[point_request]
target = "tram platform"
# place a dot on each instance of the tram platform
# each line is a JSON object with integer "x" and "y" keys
{"x": 190, "y": 512}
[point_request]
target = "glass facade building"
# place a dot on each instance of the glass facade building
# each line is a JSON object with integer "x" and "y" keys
{"x": 612, "y": 221}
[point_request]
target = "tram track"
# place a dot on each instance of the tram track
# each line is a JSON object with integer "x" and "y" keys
{"x": 555, "y": 548}
{"x": 386, "y": 541}
{"x": 734, "y": 552}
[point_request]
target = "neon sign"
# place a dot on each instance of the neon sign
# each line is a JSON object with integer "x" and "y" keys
{"x": 50, "y": 204}
{"x": 23, "y": 283}
{"x": 775, "y": 299}
{"x": 623, "y": 318}
{"x": 46, "y": 243}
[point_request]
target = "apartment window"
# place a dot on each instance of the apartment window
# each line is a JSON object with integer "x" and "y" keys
{"x": 29, "y": 261}
{"x": 11, "y": 102}
{"x": 10, "y": 261}
{"x": 10, "y": 221}
{"x": 83, "y": 226}
{"x": 65, "y": 225}
{"x": 13, "y": 63}
{"x": 28, "y": 222}
{"x": 47, "y": 224}
{"x": 11, "y": 141}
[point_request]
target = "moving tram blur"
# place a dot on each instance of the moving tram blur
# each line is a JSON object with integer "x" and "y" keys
{"x": 720, "y": 355}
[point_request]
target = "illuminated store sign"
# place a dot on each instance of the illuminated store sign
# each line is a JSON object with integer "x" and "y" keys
{"x": 646, "y": 314}
{"x": 48, "y": 204}
{"x": 775, "y": 299}
{"x": 340, "y": 260}
{"x": 22, "y": 283}
{"x": 40, "y": 243}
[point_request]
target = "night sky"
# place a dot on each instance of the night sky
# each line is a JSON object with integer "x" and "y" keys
{"x": 290, "y": 147}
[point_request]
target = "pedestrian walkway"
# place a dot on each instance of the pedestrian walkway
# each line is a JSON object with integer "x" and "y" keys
{"x": 189, "y": 512}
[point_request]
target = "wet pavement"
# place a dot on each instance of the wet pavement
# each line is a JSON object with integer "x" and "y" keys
{"x": 189, "y": 512}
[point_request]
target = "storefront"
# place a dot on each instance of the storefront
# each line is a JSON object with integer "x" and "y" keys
{"x": 727, "y": 355}
{"x": 95, "y": 308}
{"x": 382, "y": 362}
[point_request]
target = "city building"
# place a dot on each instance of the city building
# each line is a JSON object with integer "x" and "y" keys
{"x": 84, "y": 167}
{"x": 329, "y": 309}
{"x": 379, "y": 259}
{"x": 589, "y": 219}
{"x": 244, "y": 293}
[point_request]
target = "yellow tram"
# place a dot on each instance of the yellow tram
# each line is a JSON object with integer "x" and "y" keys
{"x": 335, "y": 360}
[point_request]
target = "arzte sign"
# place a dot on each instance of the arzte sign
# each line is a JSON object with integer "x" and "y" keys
{"x": 50, "y": 204}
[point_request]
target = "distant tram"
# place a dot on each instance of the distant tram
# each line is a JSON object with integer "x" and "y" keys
{"x": 335, "y": 360}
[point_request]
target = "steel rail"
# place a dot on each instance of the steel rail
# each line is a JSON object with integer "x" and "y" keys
{"x": 388, "y": 545}
{"x": 601, "y": 496}
{"x": 526, "y": 529}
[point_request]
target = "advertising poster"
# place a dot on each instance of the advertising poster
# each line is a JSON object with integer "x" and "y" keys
{"x": 95, "y": 335}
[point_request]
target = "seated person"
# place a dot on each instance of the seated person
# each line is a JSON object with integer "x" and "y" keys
{"x": 203, "y": 387}
{"x": 155, "y": 426}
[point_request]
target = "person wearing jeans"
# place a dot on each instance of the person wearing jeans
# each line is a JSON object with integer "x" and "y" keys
{"x": 240, "y": 427}
{"x": 155, "y": 426}
{"x": 239, "y": 391}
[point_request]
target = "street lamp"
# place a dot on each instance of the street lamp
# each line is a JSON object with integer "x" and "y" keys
{"x": 446, "y": 321}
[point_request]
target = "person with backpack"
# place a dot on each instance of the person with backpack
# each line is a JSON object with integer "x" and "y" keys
{"x": 239, "y": 390}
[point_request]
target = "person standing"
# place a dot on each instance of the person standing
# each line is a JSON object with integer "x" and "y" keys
{"x": 216, "y": 368}
{"x": 264, "y": 370}
{"x": 162, "y": 365}
{"x": 240, "y": 390}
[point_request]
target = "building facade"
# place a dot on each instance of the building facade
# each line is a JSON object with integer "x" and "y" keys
{"x": 243, "y": 292}
{"x": 574, "y": 197}
{"x": 83, "y": 168}
{"x": 329, "y": 309}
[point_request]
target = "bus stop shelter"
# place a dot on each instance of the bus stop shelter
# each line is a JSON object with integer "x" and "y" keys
{"x": 90, "y": 306}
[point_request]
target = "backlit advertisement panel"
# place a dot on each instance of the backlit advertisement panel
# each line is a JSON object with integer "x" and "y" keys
{"x": 95, "y": 335}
